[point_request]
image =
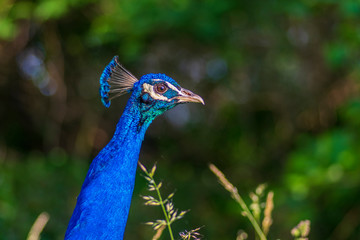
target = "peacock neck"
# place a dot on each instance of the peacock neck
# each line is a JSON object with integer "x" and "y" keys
{"x": 132, "y": 123}
{"x": 103, "y": 204}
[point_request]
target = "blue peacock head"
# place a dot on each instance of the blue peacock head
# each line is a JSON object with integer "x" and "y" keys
{"x": 155, "y": 93}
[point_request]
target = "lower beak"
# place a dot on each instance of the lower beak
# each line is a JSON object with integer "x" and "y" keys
{"x": 186, "y": 96}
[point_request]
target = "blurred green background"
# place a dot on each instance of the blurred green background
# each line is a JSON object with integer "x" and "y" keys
{"x": 280, "y": 79}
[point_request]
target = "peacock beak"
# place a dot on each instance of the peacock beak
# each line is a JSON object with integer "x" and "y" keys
{"x": 186, "y": 96}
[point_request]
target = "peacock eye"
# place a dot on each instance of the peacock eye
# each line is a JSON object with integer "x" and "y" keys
{"x": 161, "y": 88}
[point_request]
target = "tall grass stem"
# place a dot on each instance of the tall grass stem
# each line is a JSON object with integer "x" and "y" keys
{"x": 236, "y": 196}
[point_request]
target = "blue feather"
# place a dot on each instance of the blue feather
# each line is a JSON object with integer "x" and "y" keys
{"x": 104, "y": 85}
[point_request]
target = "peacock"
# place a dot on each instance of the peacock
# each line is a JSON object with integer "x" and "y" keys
{"x": 103, "y": 204}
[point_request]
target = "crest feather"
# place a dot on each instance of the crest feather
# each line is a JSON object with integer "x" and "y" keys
{"x": 115, "y": 81}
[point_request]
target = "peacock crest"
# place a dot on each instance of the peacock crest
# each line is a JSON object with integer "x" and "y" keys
{"x": 115, "y": 81}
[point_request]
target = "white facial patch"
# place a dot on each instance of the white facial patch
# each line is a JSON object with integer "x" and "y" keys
{"x": 150, "y": 90}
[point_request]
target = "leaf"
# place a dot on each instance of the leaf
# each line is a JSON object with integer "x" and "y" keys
{"x": 7, "y": 28}
{"x": 51, "y": 9}
{"x": 170, "y": 196}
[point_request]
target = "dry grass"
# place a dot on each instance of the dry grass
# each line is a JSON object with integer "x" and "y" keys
{"x": 257, "y": 208}
{"x": 236, "y": 196}
{"x": 38, "y": 226}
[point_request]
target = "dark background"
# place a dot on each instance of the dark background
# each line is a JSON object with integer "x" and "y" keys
{"x": 280, "y": 79}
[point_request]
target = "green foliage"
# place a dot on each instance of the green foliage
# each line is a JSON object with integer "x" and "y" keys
{"x": 29, "y": 188}
{"x": 327, "y": 160}
{"x": 7, "y": 29}
{"x": 49, "y": 9}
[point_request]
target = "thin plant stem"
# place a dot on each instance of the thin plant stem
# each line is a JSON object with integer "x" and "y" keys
{"x": 160, "y": 200}
{"x": 38, "y": 226}
{"x": 164, "y": 211}
{"x": 236, "y": 196}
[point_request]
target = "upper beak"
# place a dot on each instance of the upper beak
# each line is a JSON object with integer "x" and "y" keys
{"x": 186, "y": 96}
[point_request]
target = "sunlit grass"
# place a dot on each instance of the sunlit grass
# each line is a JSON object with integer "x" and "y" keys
{"x": 236, "y": 196}
{"x": 257, "y": 208}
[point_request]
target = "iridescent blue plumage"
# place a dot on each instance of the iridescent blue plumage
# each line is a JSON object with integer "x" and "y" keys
{"x": 104, "y": 85}
{"x": 104, "y": 201}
